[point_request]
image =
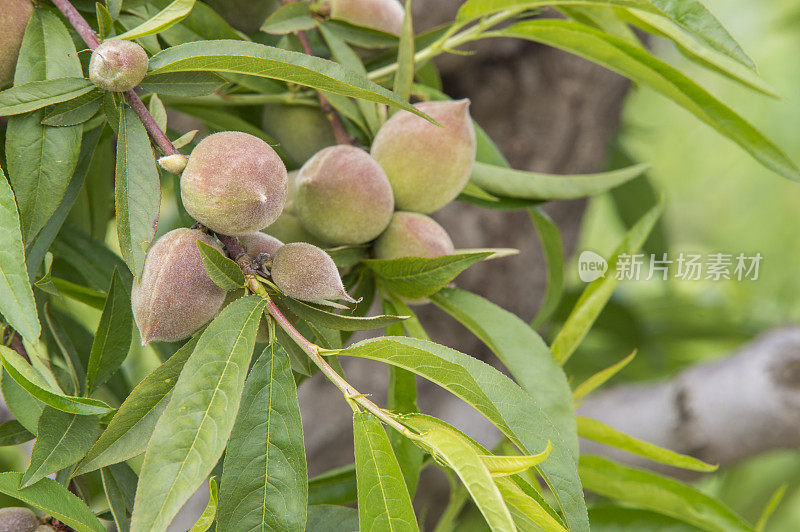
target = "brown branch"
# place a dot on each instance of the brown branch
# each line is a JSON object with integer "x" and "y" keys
{"x": 159, "y": 137}
{"x": 339, "y": 132}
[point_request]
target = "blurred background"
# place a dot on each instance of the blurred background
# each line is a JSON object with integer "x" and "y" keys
{"x": 717, "y": 200}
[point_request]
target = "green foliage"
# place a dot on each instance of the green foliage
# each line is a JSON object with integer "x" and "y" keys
{"x": 208, "y": 408}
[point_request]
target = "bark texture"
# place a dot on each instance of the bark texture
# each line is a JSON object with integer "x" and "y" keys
{"x": 721, "y": 412}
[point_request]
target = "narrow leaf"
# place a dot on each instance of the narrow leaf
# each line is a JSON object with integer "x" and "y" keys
{"x": 167, "y": 17}
{"x": 596, "y": 295}
{"x": 41, "y": 159}
{"x": 74, "y": 112}
{"x": 128, "y": 432}
{"x": 503, "y": 466}
{"x": 13, "y": 433}
{"x": 54, "y": 499}
{"x": 415, "y": 277}
{"x": 554, "y": 258}
{"x": 457, "y": 452}
{"x": 112, "y": 341}
{"x": 206, "y": 519}
{"x": 119, "y": 483}
{"x": 24, "y": 375}
{"x": 61, "y": 440}
{"x": 223, "y": 271}
{"x": 264, "y": 476}
{"x": 600, "y": 432}
{"x": 535, "y": 186}
{"x": 265, "y": 61}
{"x": 192, "y": 432}
{"x": 600, "y": 378}
{"x": 641, "y": 67}
{"x": 16, "y": 296}
{"x": 294, "y": 16}
{"x": 137, "y": 190}
{"x": 650, "y": 491}
{"x": 37, "y": 94}
{"x": 383, "y": 500}
{"x": 339, "y": 322}
{"x": 404, "y": 77}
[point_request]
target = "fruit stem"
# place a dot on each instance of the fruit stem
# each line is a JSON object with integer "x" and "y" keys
{"x": 339, "y": 132}
{"x": 312, "y": 351}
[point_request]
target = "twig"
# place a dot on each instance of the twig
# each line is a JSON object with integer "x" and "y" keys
{"x": 78, "y": 23}
{"x": 339, "y": 132}
{"x": 159, "y": 137}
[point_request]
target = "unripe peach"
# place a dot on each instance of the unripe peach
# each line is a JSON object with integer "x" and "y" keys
{"x": 175, "y": 297}
{"x": 14, "y": 16}
{"x": 427, "y": 165}
{"x": 257, "y": 243}
{"x": 383, "y": 15}
{"x": 411, "y": 234}
{"x": 17, "y": 519}
{"x": 342, "y": 196}
{"x": 118, "y": 65}
{"x": 234, "y": 183}
{"x": 304, "y": 271}
{"x": 301, "y": 130}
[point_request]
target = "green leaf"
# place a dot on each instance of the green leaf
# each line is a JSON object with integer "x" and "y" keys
{"x": 695, "y": 18}
{"x": 19, "y": 402}
{"x": 295, "y": 16}
{"x": 223, "y": 271}
{"x": 13, "y": 433}
{"x": 450, "y": 447}
{"x": 16, "y": 296}
{"x": 41, "y": 159}
{"x": 383, "y": 500}
{"x": 325, "y": 517}
{"x": 650, "y": 491}
{"x": 167, "y": 17}
{"x": 600, "y": 378}
{"x": 404, "y": 78}
{"x": 137, "y": 190}
{"x": 596, "y": 295}
{"x": 415, "y": 277}
{"x": 158, "y": 111}
{"x": 112, "y": 341}
{"x": 61, "y": 440}
{"x": 474, "y": 9}
{"x": 554, "y": 258}
{"x": 336, "y": 486}
{"x": 264, "y": 475}
{"x": 119, "y": 483}
{"x": 41, "y": 244}
{"x": 338, "y": 322}
{"x": 522, "y": 351}
{"x": 265, "y": 61}
{"x": 37, "y": 94}
{"x": 128, "y": 432}
{"x": 54, "y": 499}
{"x": 772, "y": 504}
{"x": 503, "y": 466}
{"x": 527, "y": 512}
{"x": 495, "y": 396}
{"x": 207, "y": 517}
{"x": 202, "y": 24}
{"x": 191, "y": 434}
{"x": 105, "y": 22}
{"x": 600, "y": 432}
{"x": 24, "y": 375}
{"x": 535, "y": 186}
{"x": 699, "y": 52}
{"x": 74, "y": 112}
{"x": 641, "y": 67}
{"x": 182, "y": 83}
{"x": 87, "y": 296}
